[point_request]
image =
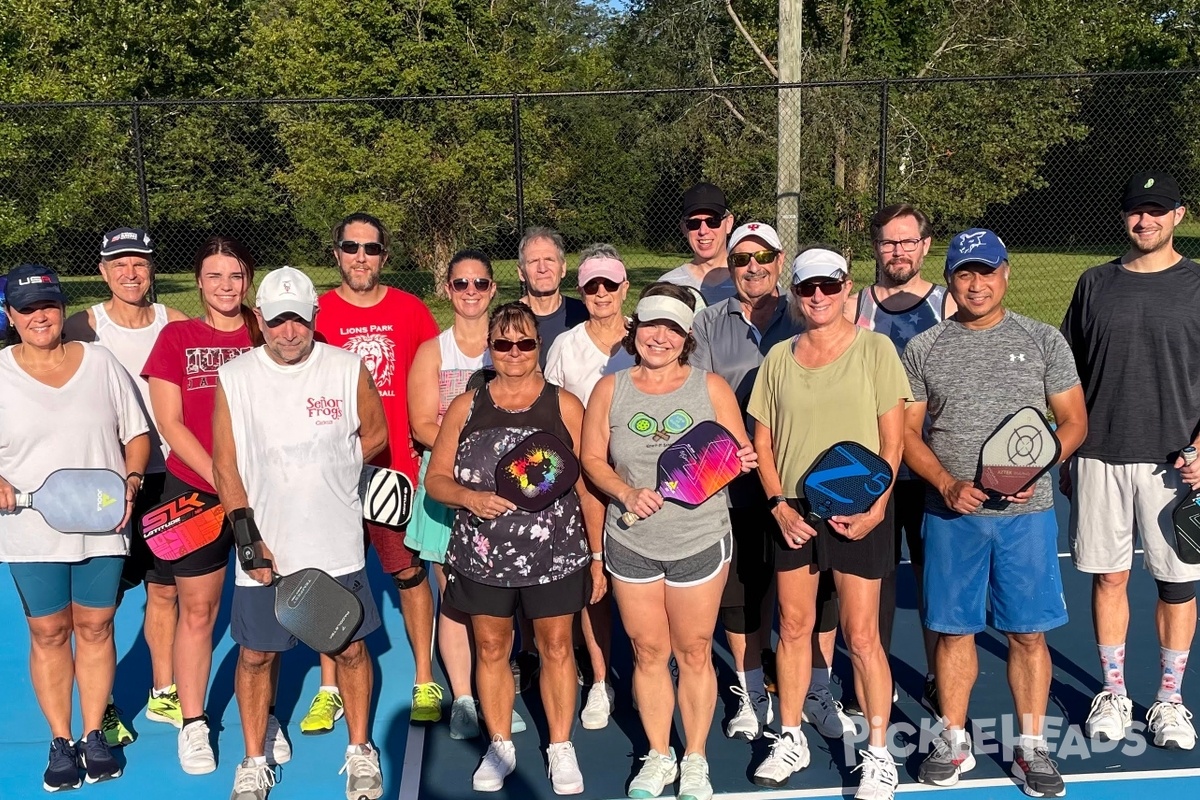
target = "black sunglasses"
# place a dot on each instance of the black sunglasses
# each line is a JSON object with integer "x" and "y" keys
{"x": 694, "y": 224}
{"x": 350, "y": 247}
{"x": 827, "y": 288}
{"x": 593, "y": 286}
{"x": 761, "y": 256}
{"x": 504, "y": 345}
{"x": 461, "y": 284}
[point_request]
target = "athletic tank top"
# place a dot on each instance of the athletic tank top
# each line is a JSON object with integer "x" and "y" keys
{"x": 901, "y": 326}
{"x": 521, "y": 548}
{"x": 132, "y": 347}
{"x": 641, "y": 426}
{"x": 456, "y": 370}
{"x": 295, "y": 428}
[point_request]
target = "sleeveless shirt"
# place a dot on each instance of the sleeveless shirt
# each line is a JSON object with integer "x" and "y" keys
{"x": 132, "y": 347}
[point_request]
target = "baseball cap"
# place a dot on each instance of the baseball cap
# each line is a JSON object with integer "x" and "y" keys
{"x": 975, "y": 246}
{"x": 1151, "y": 188}
{"x": 759, "y": 230}
{"x": 660, "y": 307}
{"x": 704, "y": 197}
{"x": 601, "y": 267}
{"x": 287, "y": 290}
{"x": 818, "y": 263}
{"x": 33, "y": 283}
{"x": 125, "y": 240}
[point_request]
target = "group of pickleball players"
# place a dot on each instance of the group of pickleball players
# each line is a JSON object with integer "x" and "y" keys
{"x": 274, "y": 398}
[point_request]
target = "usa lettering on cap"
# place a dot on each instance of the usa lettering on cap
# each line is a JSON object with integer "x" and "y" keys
{"x": 34, "y": 279}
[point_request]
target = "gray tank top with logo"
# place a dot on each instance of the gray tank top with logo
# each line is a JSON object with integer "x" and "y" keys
{"x": 641, "y": 426}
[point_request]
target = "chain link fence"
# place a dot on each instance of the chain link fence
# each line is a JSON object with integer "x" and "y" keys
{"x": 1039, "y": 159}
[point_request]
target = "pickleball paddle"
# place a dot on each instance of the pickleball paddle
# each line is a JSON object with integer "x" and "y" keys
{"x": 386, "y": 496}
{"x": 1022, "y": 449}
{"x": 699, "y": 464}
{"x": 1187, "y": 520}
{"x": 183, "y": 525}
{"x": 78, "y": 500}
{"x": 537, "y": 471}
{"x": 316, "y": 609}
{"x": 846, "y": 480}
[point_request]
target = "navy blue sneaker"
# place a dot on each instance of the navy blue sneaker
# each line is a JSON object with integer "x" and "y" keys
{"x": 95, "y": 757}
{"x": 62, "y": 771}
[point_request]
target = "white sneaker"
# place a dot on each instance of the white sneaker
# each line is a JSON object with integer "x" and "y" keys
{"x": 1171, "y": 725}
{"x": 565, "y": 777}
{"x": 787, "y": 757}
{"x": 825, "y": 714}
{"x": 252, "y": 781}
{"x": 657, "y": 773}
{"x": 1110, "y": 717}
{"x": 753, "y": 715}
{"x": 693, "y": 778}
{"x": 195, "y": 750}
{"x": 275, "y": 746}
{"x": 878, "y": 780}
{"x": 599, "y": 706}
{"x": 498, "y": 763}
{"x": 364, "y": 781}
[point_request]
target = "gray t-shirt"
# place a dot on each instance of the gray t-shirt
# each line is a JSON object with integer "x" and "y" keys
{"x": 641, "y": 426}
{"x": 973, "y": 379}
{"x": 716, "y": 286}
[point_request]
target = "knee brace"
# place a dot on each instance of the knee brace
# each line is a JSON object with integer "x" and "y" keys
{"x": 1175, "y": 593}
{"x": 417, "y": 578}
{"x": 739, "y": 619}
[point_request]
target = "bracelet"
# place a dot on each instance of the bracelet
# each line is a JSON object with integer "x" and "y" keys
{"x": 137, "y": 475}
{"x": 598, "y": 556}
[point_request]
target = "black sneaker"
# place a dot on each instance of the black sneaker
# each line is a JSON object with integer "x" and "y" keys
{"x": 929, "y": 697}
{"x": 524, "y": 666}
{"x": 1033, "y": 768}
{"x": 62, "y": 770}
{"x": 95, "y": 757}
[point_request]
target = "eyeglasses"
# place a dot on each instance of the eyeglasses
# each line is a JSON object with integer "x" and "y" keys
{"x": 810, "y": 288}
{"x": 694, "y": 224}
{"x": 461, "y": 284}
{"x": 350, "y": 247}
{"x": 907, "y": 245}
{"x": 740, "y": 260}
{"x": 593, "y": 286}
{"x": 504, "y": 345}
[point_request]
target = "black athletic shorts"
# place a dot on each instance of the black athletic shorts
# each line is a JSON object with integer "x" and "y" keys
{"x": 208, "y": 559}
{"x": 753, "y": 566}
{"x": 555, "y": 599}
{"x": 139, "y": 565}
{"x": 872, "y": 556}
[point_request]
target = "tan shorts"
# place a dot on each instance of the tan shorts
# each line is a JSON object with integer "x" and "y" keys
{"x": 1115, "y": 506}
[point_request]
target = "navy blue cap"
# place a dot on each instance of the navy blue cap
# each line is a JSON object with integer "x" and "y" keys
{"x": 976, "y": 246}
{"x": 125, "y": 240}
{"x": 32, "y": 283}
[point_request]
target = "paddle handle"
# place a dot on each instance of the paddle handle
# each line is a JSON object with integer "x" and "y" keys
{"x": 629, "y": 518}
{"x": 23, "y": 501}
{"x": 1189, "y": 454}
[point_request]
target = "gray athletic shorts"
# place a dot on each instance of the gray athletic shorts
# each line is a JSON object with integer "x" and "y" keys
{"x": 626, "y": 565}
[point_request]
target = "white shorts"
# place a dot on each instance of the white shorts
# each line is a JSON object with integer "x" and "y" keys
{"x": 1114, "y": 506}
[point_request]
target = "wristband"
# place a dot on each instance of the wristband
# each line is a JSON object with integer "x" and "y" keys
{"x": 775, "y": 500}
{"x": 137, "y": 475}
{"x": 245, "y": 536}
{"x": 598, "y": 556}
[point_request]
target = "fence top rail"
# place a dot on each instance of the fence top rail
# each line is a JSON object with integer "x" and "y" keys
{"x": 862, "y": 82}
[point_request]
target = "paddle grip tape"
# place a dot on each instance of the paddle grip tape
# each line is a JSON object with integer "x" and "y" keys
{"x": 245, "y": 536}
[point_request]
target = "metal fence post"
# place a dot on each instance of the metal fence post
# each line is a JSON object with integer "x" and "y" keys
{"x": 518, "y": 170}
{"x": 881, "y": 193}
{"x": 139, "y": 158}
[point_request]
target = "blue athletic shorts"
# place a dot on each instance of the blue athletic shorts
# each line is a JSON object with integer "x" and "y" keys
{"x": 252, "y": 622}
{"x": 47, "y": 588}
{"x": 1010, "y": 561}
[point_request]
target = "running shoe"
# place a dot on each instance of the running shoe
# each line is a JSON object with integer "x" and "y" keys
{"x": 96, "y": 759}
{"x": 464, "y": 718}
{"x": 599, "y": 706}
{"x": 324, "y": 710}
{"x": 565, "y": 777}
{"x": 62, "y": 768}
{"x": 115, "y": 732}
{"x": 657, "y": 773}
{"x": 364, "y": 781}
{"x": 877, "y": 779}
{"x": 1171, "y": 725}
{"x": 498, "y": 763}
{"x": 252, "y": 781}
{"x": 825, "y": 714}
{"x": 945, "y": 762}
{"x": 787, "y": 757}
{"x": 426, "y": 703}
{"x": 275, "y": 744}
{"x": 753, "y": 715}
{"x": 1110, "y": 716}
{"x": 1036, "y": 772}
{"x": 693, "y": 778}
{"x": 195, "y": 749}
{"x": 165, "y": 707}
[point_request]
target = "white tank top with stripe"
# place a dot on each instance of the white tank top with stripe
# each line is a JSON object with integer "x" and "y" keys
{"x": 132, "y": 347}
{"x": 456, "y": 370}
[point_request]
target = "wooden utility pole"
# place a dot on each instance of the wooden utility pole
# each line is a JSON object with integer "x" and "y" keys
{"x": 788, "y": 156}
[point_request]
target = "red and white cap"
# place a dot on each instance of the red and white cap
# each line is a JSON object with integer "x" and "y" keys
{"x": 759, "y": 230}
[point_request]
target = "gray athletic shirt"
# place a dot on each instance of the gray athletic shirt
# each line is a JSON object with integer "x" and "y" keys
{"x": 973, "y": 379}
{"x": 638, "y": 431}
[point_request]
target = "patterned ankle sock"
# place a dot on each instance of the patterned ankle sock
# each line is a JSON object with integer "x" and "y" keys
{"x": 1112, "y": 663}
{"x": 1174, "y": 663}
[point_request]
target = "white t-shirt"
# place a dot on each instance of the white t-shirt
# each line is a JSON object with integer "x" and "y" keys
{"x": 296, "y": 430}
{"x": 716, "y": 287}
{"x": 132, "y": 348}
{"x": 84, "y": 423}
{"x": 575, "y": 362}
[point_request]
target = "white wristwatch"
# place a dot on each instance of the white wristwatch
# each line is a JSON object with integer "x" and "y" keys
{"x": 597, "y": 556}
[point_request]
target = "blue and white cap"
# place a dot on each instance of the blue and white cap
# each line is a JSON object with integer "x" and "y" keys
{"x": 125, "y": 240}
{"x": 976, "y": 246}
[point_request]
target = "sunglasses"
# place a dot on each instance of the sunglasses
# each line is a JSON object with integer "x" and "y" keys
{"x": 810, "y": 288}
{"x": 761, "y": 256}
{"x": 461, "y": 284}
{"x": 504, "y": 345}
{"x": 593, "y": 286}
{"x": 350, "y": 247}
{"x": 694, "y": 224}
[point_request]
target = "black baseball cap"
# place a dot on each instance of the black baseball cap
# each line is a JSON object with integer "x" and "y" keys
{"x": 1151, "y": 189}
{"x": 125, "y": 240}
{"x": 704, "y": 197}
{"x": 32, "y": 283}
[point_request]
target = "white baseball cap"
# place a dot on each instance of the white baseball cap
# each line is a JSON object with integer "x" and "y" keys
{"x": 287, "y": 290}
{"x": 818, "y": 263}
{"x": 758, "y": 230}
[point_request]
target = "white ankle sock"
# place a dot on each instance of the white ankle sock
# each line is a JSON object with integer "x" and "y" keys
{"x": 330, "y": 689}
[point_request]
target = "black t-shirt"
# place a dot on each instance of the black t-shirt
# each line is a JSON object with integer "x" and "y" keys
{"x": 1136, "y": 341}
{"x": 570, "y": 312}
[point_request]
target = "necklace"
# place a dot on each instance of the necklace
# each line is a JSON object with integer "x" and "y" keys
{"x": 27, "y": 368}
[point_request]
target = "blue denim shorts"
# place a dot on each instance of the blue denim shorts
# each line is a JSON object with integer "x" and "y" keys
{"x": 1008, "y": 563}
{"x": 47, "y": 588}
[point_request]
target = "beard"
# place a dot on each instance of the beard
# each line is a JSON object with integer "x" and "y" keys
{"x": 360, "y": 284}
{"x": 901, "y": 270}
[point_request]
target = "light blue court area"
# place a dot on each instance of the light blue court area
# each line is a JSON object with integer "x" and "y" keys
{"x": 151, "y": 764}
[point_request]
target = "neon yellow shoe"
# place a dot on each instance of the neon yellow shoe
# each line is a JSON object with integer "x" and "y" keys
{"x": 325, "y": 709}
{"x": 165, "y": 707}
{"x": 115, "y": 732}
{"x": 426, "y": 703}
